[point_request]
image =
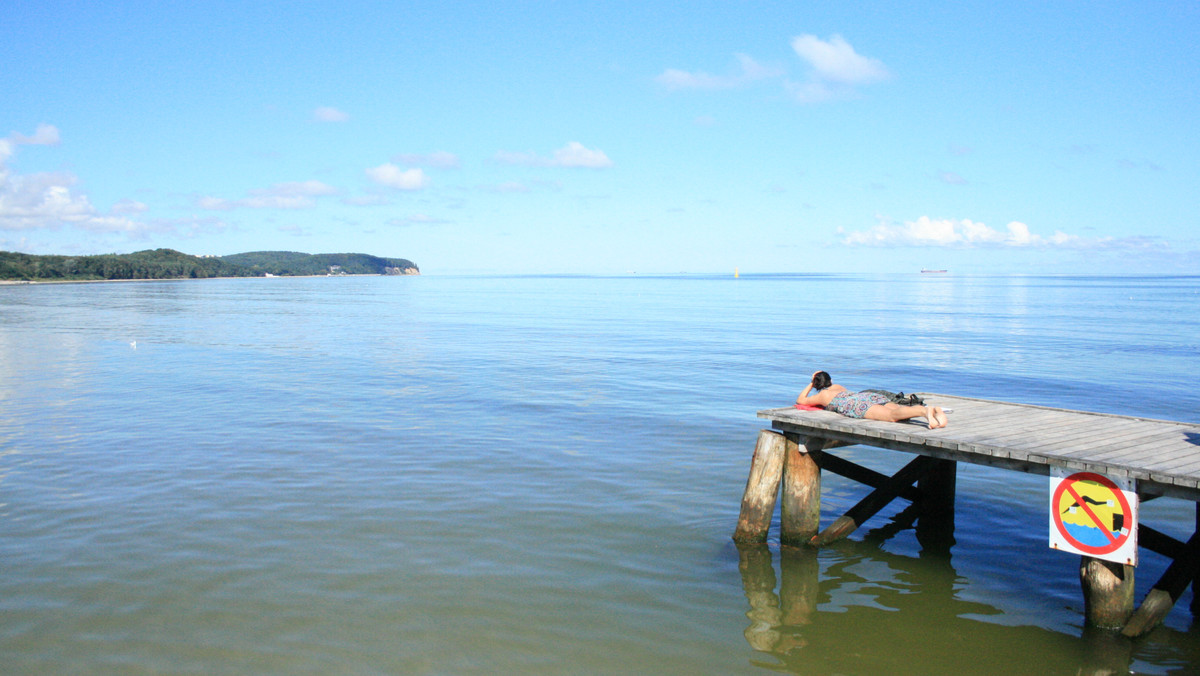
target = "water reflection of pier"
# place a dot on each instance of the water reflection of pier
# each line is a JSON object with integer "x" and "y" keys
{"x": 905, "y": 617}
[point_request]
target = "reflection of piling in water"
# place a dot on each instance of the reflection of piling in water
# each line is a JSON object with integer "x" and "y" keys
{"x": 775, "y": 619}
{"x": 1107, "y": 653}
{"x": 758, "y": 581}
{"x": 787, "y": 469}
{"x": 928, "y": 631}
{"x": 800, "y": 585}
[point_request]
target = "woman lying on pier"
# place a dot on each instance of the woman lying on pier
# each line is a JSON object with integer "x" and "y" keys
{"x": 869, "y": 405}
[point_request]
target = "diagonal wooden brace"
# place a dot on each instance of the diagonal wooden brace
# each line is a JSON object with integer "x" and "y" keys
{"x": 1162, "y": 597}
{"x": 875, "y": 501}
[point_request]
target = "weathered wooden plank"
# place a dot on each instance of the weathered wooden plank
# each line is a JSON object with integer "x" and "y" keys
{"x": 1161, "y": 454}
{"x": 1171, "y": 464}
{"x": 1176, "y": 468}
{"x": 1184, "y": 467}
{"x": 1143, "y": 440}
{"x": 1080, "y": 435}
{"x": 1013, "y": 424}
{"x": 1009, "y": 417}
{"x": 1167, "y": 444}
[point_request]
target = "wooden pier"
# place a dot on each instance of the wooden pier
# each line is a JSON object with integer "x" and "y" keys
{"x": 1162, "y": 457}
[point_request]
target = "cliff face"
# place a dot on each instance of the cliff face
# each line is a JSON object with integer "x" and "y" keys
{"x": 401, "y": 271}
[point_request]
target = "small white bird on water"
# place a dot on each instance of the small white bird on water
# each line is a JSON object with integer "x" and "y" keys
{"x": 133, "y": 344}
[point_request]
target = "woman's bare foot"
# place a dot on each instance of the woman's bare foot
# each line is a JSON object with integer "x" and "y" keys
{"x": 939, "y": 419}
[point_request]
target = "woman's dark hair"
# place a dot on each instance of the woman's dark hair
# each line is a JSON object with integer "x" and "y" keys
{"x": 821, "y": 380}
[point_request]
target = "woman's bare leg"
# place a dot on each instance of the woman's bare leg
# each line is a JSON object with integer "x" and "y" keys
{"x": 891, "y": 412}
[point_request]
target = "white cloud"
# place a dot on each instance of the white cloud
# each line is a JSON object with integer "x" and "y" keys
{"x": 214, "y": 203}
{"x": 574, "y": 155}
{"x": 297, "y": 188}
{"x": 835, "y": 69}
{"x": 949, "y": 232}
{"x": 749, "y": 71}
{"x": 291, "y": 195}
{"x": 437, "y": 160}
{"x": 951, "y": 178}
{"x": 328, "y": 114}
{"x": 44, "y": 135}
{"x": 836, "y": 61}
{"x": 393, "y": 176}
{"x": 277, "y": 202}
{"x": 812, "y": 92}
{"x": 416, "y": 219}
{"x": 48, "y": 200}
{"x": 128, "y": 206}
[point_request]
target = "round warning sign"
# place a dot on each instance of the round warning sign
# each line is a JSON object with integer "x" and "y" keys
{"x": 1090, "y": 514}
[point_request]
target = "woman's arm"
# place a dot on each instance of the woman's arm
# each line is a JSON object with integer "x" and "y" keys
{"x": 803, "y": 398}
{"x": 821, "y": 398}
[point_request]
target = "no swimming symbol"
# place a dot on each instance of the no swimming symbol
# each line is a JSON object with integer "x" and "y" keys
{"x": 1091, "y": 515}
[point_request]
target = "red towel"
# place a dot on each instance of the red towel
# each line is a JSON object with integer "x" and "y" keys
{"x": 806, "y": 407}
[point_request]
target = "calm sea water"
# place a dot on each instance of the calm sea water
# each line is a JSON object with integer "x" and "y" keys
{"x": 459, "y": 475}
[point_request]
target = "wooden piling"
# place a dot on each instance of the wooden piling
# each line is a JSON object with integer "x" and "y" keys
{"x": 800, "y": 510}
{"x": 1107, "y": 592}
{"x": 762, "y": 488}
{"x": 935, "y": 525}
{"x": 1196, "y": 574}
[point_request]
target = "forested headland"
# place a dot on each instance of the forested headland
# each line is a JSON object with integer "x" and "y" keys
{"x": 171, "y": 264}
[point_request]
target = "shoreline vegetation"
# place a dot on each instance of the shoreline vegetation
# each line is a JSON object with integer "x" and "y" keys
{"x": 166, "y": 264}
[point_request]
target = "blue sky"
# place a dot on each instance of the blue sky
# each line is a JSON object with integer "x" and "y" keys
{"x": 610, "y": 137}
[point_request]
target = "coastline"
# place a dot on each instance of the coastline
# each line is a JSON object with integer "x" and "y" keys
{"x": 23, "y": 282}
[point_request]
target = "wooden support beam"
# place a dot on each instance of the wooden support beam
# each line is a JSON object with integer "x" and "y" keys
{"x": 1162, "y": 597}
{"x": 863, "y": 475}
{"x": 1159, "y": 542}
{"x": 762, "y": 488}
{"x": 1196, "y": 577}
{"x": 935, "y": 526}
{"x": 800, "y": 510}
{"x": 875, "y": 501}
